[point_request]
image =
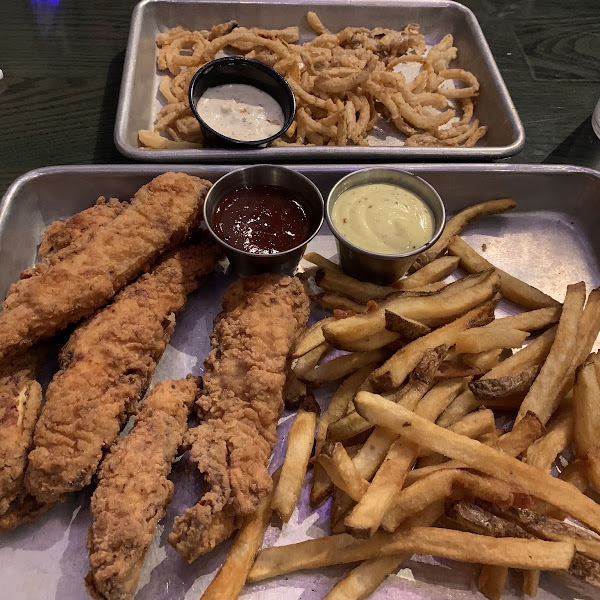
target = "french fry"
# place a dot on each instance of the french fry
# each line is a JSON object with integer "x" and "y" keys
{"x": 341, "y": 504}
{"x": 544, "y": 395}
{"x": 586, "y": 404}
{"x": 458, "y": 222}
{"x": 321, "y": 484}
{"x": 529, "y": 321}
{"x": 488, "y": 460}
{"x": 513, "y": 443}
{"x": 295, "y": 393}
{"x": 559, "y": 434}
{"x": 439, "y": 486}
{"x": 446, "y": 543}
{"x": 475, "y": 424}
{"x": 485, "y": 389}
{"x": 395, "y": 370}
{"x": 492, "y": 580}
{"x": 513, "y": 289}
{"x": 366, "y": 578}
{"x": 484, "y": 361}
{"x": 341, "y": 470}
{"x": 229, "y": 581}
{"x": 333, "y": 301}
{"x": 480, "y": 339}
{"x": 366, "y": 516}
{"x": 531, "y": 583}
{"x": 367, "y": 331}
{"x": 299, "y": 447}
{"x": 347, "y": 427}
{"x": 307, "y": 362}
{"x": 551, "y": 529}
{"x": 321, "y": 261}
{"x": 435, "y": 271}
{"x": 408, "y": 329}
{"x": 361, "y": 291}
{"x": 338, "y": 368}
{"x": 311, "y": 338}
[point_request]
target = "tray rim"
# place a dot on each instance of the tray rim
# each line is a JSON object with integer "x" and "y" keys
{"x": 307, "y": 154}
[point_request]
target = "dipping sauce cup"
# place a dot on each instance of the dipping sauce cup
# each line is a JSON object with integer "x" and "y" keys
{"x": 245, "y": 71}
{"x": 376, "y": 267}
{"x": 299, "y": 187}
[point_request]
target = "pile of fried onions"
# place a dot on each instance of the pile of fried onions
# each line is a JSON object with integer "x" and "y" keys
{"x": 343, "y": 82}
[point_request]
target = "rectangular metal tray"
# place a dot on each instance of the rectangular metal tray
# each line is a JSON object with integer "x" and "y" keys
{"x": 549, "y": 240}
{"x": 137, "y": 101}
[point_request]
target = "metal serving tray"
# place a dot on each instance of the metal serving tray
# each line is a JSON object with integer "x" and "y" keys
{"x": 549, "y": 240}
{"x": 138, "y": 99}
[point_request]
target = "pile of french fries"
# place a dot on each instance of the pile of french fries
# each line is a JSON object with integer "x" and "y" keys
{"x": 408, "y": 448}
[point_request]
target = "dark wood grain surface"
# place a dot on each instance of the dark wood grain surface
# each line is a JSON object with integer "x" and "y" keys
{"x": 62, "y": 62}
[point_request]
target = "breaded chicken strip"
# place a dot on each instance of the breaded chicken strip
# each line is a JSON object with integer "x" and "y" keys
{"x": 161, "y": 214}
{"x": 20, "y": 403}
{"x": 244, "y": 377}
{"x": 105, "y": 367}
{"x": 61, "y": 234}
{"x": 133, "y": 490}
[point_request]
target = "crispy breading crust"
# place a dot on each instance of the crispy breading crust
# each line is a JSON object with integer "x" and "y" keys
{"x": 242, "y": 400}
{"x": 20, "y": 403}
{"x": 161, "y": 214}
{"x": 105, "y": 367}
{"x": 133, "y": 490}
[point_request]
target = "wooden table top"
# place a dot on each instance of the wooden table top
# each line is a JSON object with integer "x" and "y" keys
{"x": 63, "y": 60}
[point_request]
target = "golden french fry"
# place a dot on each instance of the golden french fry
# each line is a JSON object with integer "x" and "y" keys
{"x": 513, "y": 289}
{"x": 433, "y": 272}
{"x": 299, "y": 447}
{"x": 341, "y": 503}
{"x": 439, "y": 486}
{"x": 347, "y": 427}
{"x": 544, "y": 395}
{"x": 475, "y": 424}
{"x": 335, "y": 302}
{"x": 488, "y": 460}
{"x": 367, "y": 331}
{"x": 408, "y": 329}
{"x": 446, "y": 543}
{"x": 341, "y": 470}
{"x": 531, "y": 582}
{"x": 559, "y": 434}
{"x": 338, "y": 368}
{"x": 484, "y": 361}
{"x": 336, "y": 281}
{"x": 480, "y": 339}
{"x": 295, "y": 393}
{"x": 586, "y": 405}
{"x": 395, "y": 370}
{"x": 311, "y": 338}
{"x": 229, "y": 581}
{"x": 485, "y": 389}
{"x": 366, "y": 516}
{"x": 308, "y": 362}
{"x": 366, "y": 578}
{"x": 529, "y": 321}
{"x": 458, "y": 222}
{"x": 321, "y": 261}
{"x": 492, "y": 580}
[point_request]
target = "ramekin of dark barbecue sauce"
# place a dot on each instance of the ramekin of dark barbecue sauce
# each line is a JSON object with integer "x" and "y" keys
{"x": 261, "y": 219}
{"x": 264, "y": 216}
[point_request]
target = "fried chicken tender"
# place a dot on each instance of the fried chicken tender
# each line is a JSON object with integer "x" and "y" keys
{"x": 24, "y": 509}
{"x": 161, "y": 214}
{"x": 244, "y": 377}
{"x": 61, "y": 234}
{"x": 105, "y": 367}
{"x": 20, "y": 404}
{"x": 133, "y": 490}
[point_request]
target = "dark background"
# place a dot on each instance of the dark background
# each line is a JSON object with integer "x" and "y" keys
{"x": 62, "y": 63}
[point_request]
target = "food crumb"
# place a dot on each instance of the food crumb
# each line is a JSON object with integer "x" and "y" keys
{"x": 345, "y": 220}
{"x": 483, "y": 247}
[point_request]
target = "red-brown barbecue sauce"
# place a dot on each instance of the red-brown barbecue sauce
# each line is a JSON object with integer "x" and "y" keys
{"x": 262, "y": 219}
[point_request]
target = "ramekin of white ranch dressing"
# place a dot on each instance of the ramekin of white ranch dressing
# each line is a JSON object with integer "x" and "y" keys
{"x": 240, "y": 111}
{"x": 383, "y": 218}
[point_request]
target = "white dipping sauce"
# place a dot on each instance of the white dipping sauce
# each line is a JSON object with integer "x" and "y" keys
{"x": 241, "y": 112}
{"x": 383, "y": 218}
